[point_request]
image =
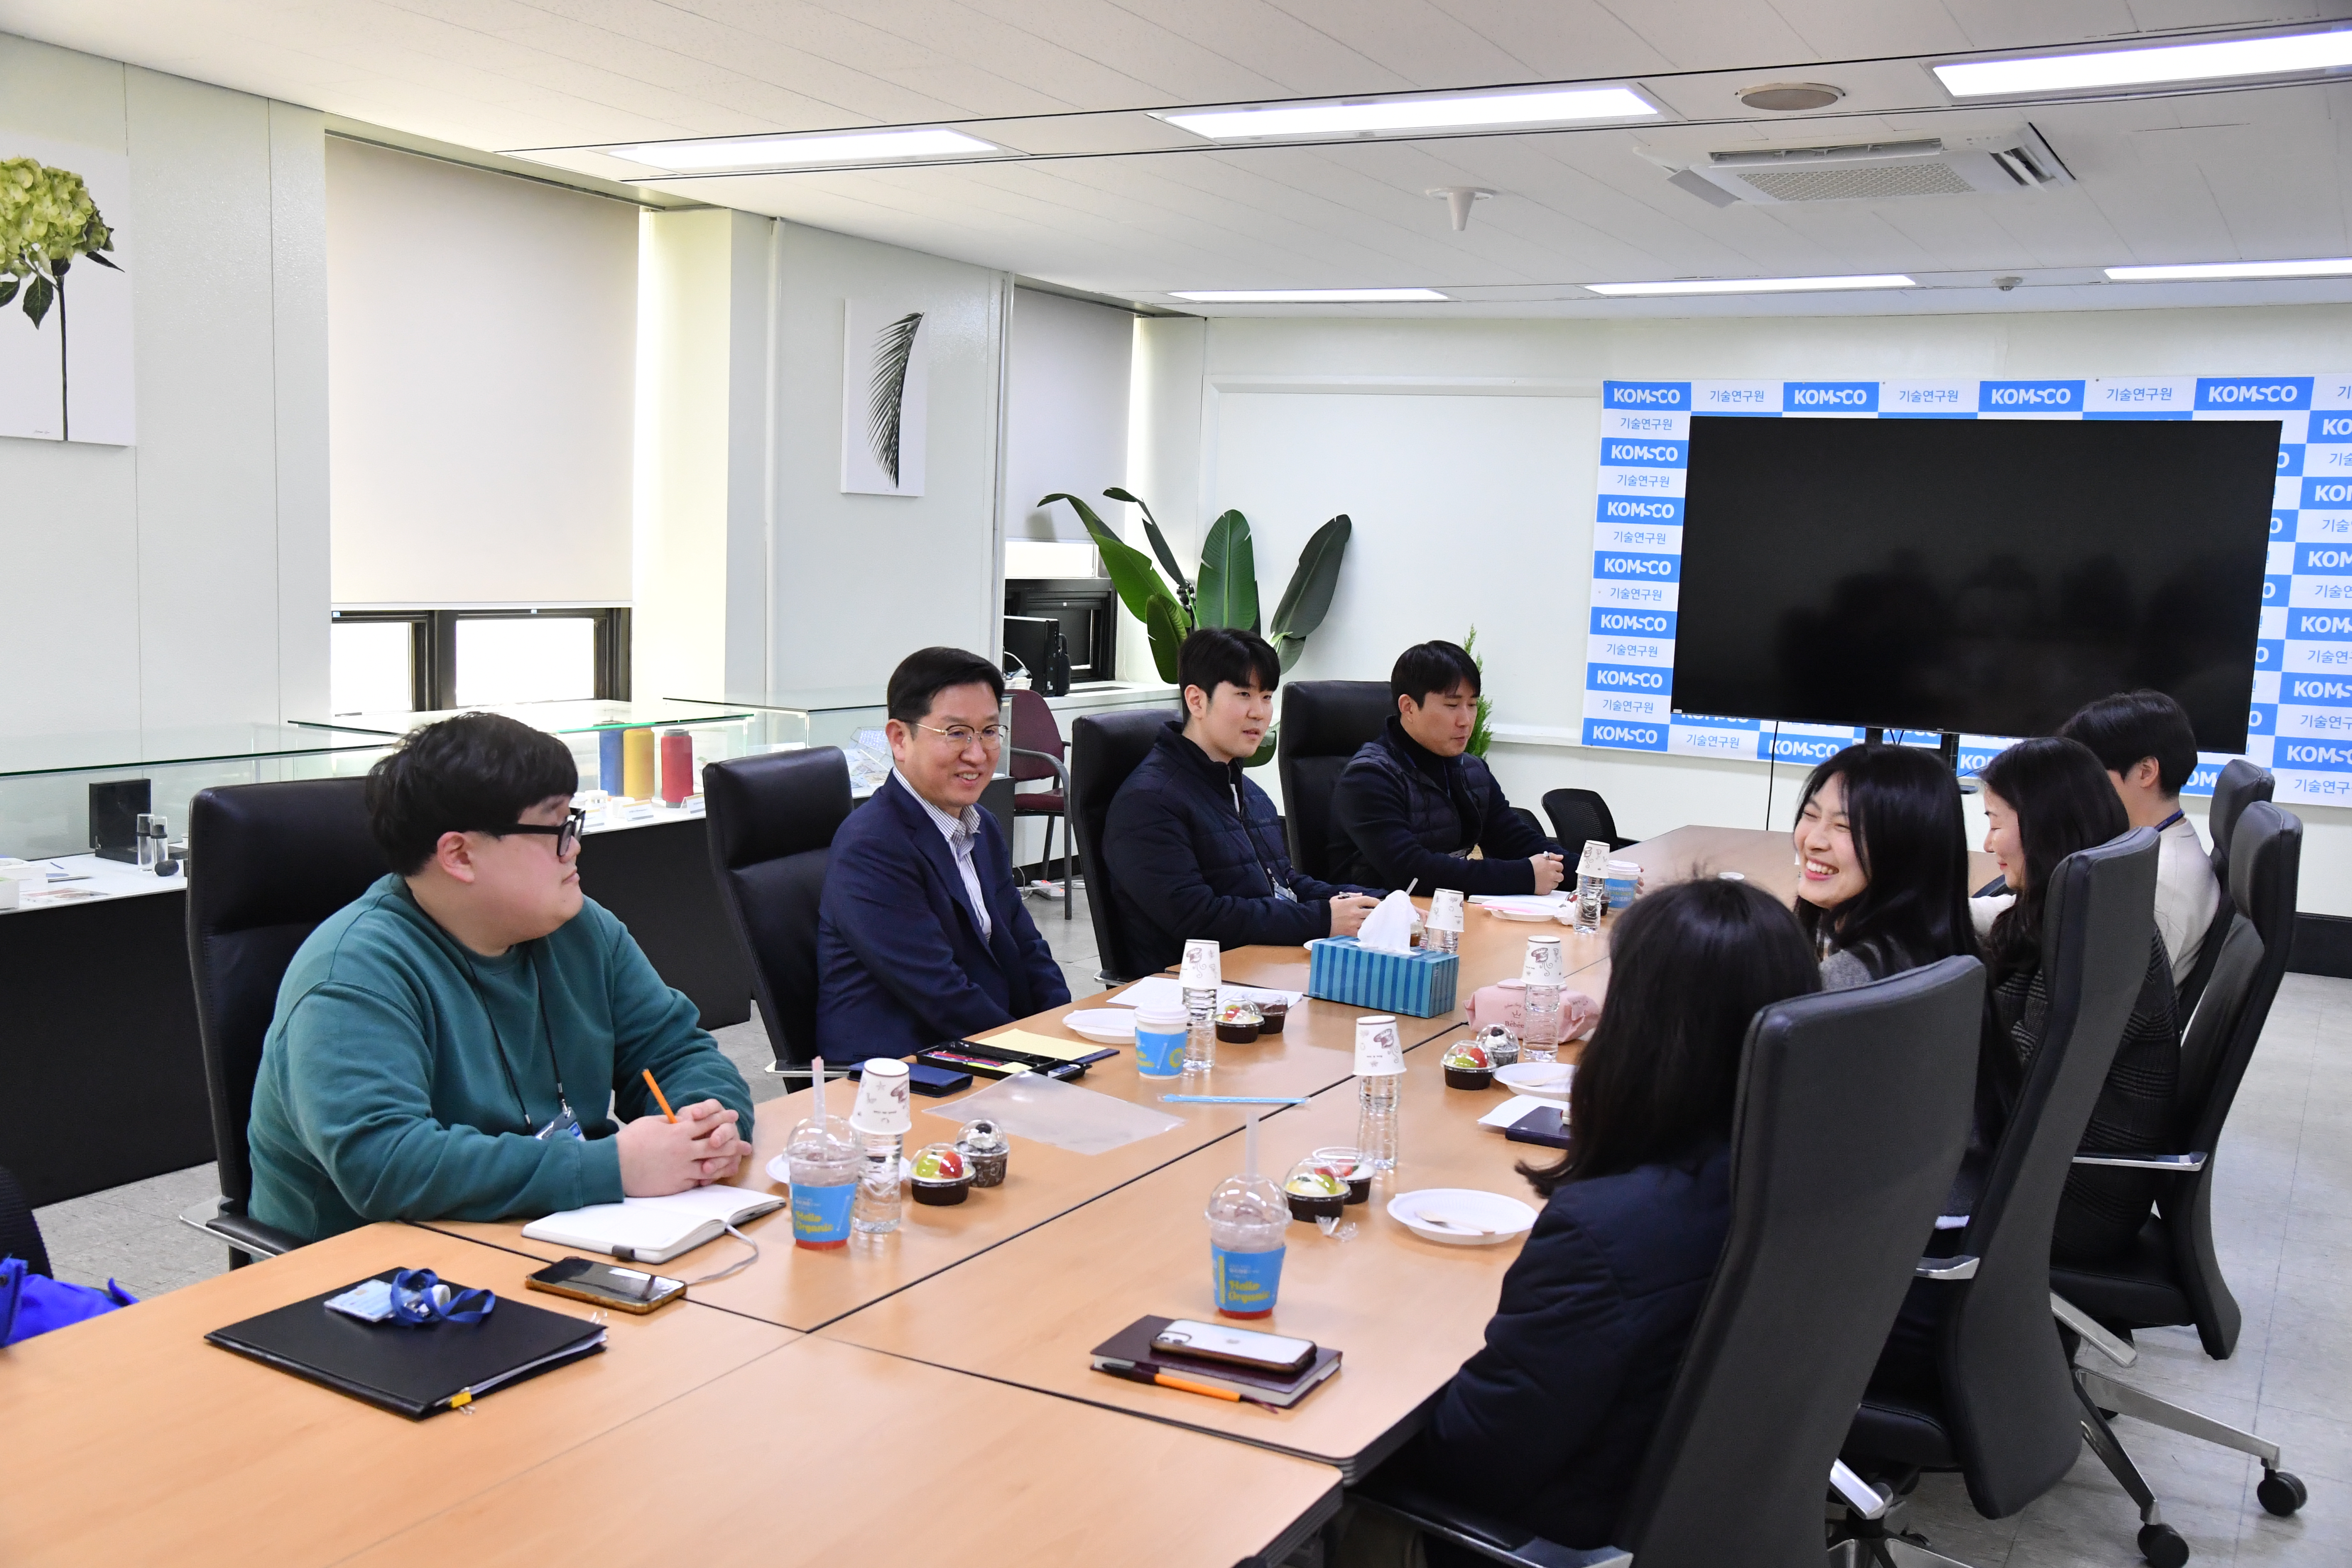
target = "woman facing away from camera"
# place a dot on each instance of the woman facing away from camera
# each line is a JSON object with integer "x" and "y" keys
{"x": 1549, "y": 1424}
{"x": 1882, "y": 865}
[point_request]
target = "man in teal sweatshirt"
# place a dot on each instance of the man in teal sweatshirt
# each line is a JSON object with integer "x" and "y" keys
{"x": 457, "y": 1043}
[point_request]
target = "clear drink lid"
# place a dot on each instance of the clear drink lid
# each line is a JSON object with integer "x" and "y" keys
{"x": 820, "y": 1137}
{"x": 1248, "y": 1200}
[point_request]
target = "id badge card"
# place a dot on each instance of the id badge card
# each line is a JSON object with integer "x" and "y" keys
{"x": 1282, "y": 891}
{"x": 563, "y": 1124}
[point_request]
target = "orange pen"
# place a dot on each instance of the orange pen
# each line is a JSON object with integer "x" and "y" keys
{"x": 659, "y": 1097}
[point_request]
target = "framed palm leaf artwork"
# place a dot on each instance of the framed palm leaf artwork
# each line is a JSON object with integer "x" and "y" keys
{"x": 885, "y": 393}
{"x": 64, "y": 292}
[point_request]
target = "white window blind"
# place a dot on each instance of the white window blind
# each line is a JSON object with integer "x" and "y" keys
{"x": 481, "y": 355}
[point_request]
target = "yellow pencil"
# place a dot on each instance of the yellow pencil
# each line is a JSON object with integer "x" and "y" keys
{"x": 659, "y": 1097}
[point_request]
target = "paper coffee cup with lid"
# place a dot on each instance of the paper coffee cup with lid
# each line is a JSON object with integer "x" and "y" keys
{"x": 1445, "y": 909}
{"x": 882, "y": 1104}
{"x": 1543, "y": 961}
{"x": 1203, "y": 971}
{"x": 1378, "y": 1051}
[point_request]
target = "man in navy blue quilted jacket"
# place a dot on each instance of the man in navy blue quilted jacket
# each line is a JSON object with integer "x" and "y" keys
{"x": 1194, "y": 848}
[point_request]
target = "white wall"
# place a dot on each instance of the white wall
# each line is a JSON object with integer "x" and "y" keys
{"x": 861, "y": 580}
{"x": 182, "y": 581}
{"x": 1466, "y": 452}
{"x": 483, "y": 335}
{"x": 1065, "y": 410}
{"x": 703, "y": 439}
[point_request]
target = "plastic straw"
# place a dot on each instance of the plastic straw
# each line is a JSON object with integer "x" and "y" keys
{"x": 1249, "y": 1145}
{"x": 816, "y": 1081}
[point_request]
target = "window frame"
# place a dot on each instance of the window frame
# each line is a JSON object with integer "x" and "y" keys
{"x": 432, "y": 646}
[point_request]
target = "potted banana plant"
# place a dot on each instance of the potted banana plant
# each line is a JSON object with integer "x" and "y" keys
{"x": 1224, "y": 593}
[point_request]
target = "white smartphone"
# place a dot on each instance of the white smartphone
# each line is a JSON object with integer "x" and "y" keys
{"x": 1241, "y": 1347}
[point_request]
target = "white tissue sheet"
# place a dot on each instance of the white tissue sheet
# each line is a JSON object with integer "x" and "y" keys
{"x": 1389, "y": 929}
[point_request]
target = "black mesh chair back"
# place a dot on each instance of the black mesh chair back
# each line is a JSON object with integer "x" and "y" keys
{"x": 772, "y": 821}
{"x": 1577, "y": 817}
{"x": 1103, "y": 748}
{"x": 1324, "y": 723}
{"x": 2241, "y": 784}
{"x": 2009, "y": 1407}
{"x": 1853, "y": 1112}
{"x": 20, "y": 1234}
{"x": 268, "y": 862}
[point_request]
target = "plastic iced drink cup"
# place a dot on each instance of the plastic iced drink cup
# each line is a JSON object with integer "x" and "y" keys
{"x": 1623, "y": 882}
{"x": 1160, "y": 1035}
{"x": 1248, "y": 1219}
{"x": 825, "y": 1160}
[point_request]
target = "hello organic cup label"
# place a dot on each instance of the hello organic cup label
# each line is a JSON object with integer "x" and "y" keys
{"x": 882, "y": 1104}
{"x": 1378, "y": 1051}
{"x": 1202, "y": 971}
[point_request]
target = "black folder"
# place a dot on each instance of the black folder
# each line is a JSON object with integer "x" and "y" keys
{"x": 413, "y": 1371}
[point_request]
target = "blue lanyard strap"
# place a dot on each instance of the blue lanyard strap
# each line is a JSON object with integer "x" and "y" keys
{"x": 419, "y": 1298}
{"x": 2177, "y": 814}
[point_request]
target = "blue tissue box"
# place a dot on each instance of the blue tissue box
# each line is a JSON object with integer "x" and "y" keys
{"x": 1419, "y": 983}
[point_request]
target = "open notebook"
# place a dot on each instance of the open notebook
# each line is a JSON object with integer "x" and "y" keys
{"x": 654, "y": 1230}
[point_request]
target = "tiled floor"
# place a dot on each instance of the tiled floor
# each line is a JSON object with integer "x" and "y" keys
{"x": 2281, "y": 1214}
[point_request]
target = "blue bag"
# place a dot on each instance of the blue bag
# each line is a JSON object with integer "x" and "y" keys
{"x": 34, "y": 1303}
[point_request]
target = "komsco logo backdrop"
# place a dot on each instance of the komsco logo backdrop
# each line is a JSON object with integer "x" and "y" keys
{"x": 2300, "y": 710}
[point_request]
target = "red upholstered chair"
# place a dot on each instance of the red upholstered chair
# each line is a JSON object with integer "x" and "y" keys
{"x": 1038, "y": 754}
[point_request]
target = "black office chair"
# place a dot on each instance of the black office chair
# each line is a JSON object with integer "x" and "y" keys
{"x": 2241, "y": 784}
{"x": 268, "y": 862}
{"x": 2171, "y": 1277}
{"x": 772, "y": 823}
{"x": 1324, "y": 723}
{"x": 20, "y": 1233}
{"x": 1578, "y": 816}
{"x": 1103, "y": 748}
{"x": 1999, "y": 1405}
{"x": 1854, "y": 1110}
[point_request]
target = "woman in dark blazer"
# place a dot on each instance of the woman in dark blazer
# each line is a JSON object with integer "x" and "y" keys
{"x": 1549, "y": 1424}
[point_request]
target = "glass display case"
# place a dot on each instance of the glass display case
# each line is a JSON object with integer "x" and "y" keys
{"x": 46, "y": 793}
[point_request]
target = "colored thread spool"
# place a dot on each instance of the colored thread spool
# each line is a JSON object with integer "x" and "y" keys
{"x": 608, "y": 761}
{"x": 637, "y": 764}
{"x": 676, "y": 766}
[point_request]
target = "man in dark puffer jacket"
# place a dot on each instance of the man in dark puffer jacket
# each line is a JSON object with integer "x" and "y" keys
{"x": 1196, "y": 848}
{"x": 1412, "y": 803}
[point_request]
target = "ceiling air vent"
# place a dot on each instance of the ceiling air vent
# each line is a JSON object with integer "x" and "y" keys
{"x": 2011, "y": 162}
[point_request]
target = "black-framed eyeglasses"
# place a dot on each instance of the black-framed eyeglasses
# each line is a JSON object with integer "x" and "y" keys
{"x": 566, "y": 833}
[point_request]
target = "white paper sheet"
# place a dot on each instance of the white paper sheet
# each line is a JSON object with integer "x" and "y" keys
{"x": 1162, "y": 991}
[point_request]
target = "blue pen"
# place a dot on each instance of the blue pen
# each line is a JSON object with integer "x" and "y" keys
{"x": 1228, "y": 1099}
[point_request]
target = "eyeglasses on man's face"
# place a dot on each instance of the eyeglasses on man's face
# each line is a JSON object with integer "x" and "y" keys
{"x": 565, "y": 833}
{"x": 962, "y": 735}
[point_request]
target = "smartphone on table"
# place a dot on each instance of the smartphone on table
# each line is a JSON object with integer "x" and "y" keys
{"x": 606, "y": 1285}
{"x": 1240, "y": 1347}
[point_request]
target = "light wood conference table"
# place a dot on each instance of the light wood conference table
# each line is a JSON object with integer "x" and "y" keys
{"x": 128, "y": 1434}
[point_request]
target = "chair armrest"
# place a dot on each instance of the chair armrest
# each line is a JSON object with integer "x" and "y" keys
{"x": 1051, "y": 761}
{"x": 214, "y": 1217}
{"x": 2094, "y": 1332}
{"x": 1946, "y": 1268}
{"x": 2181, "y": 1164}
{"x": 1468, "y": 1528}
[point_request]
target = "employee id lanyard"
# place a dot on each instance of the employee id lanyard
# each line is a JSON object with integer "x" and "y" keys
{"x": 562, "y": 1124}
{"x": 1249, "y": 841}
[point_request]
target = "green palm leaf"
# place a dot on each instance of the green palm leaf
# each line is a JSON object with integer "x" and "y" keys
{"x": 1164, "y": 620}
{"x": 1159, "y": 542}
{"x": 1308, "y": 598}
{"x": 1228, "y": 588}
{"x": 1130, "y": 570}
{"x": 886, "y": 391}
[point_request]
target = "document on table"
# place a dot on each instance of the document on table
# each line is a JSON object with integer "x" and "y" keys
{"x": 1162, "y": 991}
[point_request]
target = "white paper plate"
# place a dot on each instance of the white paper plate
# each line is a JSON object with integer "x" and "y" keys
{"x": 1529, "y": 913}
{"x": 1508, "y": 1217}
{"x": 1542, "y": 1080}
{"x": 1104, "y": 1026}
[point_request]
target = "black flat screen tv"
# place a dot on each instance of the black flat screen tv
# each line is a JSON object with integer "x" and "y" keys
{"x": 1988, "y": 576}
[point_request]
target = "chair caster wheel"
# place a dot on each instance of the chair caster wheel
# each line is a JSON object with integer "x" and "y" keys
{"x": 2162, "y": 1546}
{"x": 2281, "y": 1493}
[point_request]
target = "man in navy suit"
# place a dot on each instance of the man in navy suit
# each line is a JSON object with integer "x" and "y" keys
{"x": 921, "y": 936}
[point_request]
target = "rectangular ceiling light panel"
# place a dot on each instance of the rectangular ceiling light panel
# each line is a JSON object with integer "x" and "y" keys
{"x": 2225, "y": 59}
{"x": 1396, "y": 116}
{"x": 733, "y": 152}
{"x": 1752, "y": 285}
{"x": 2334, "y": 267}
{"x": 1306, "y": 296}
